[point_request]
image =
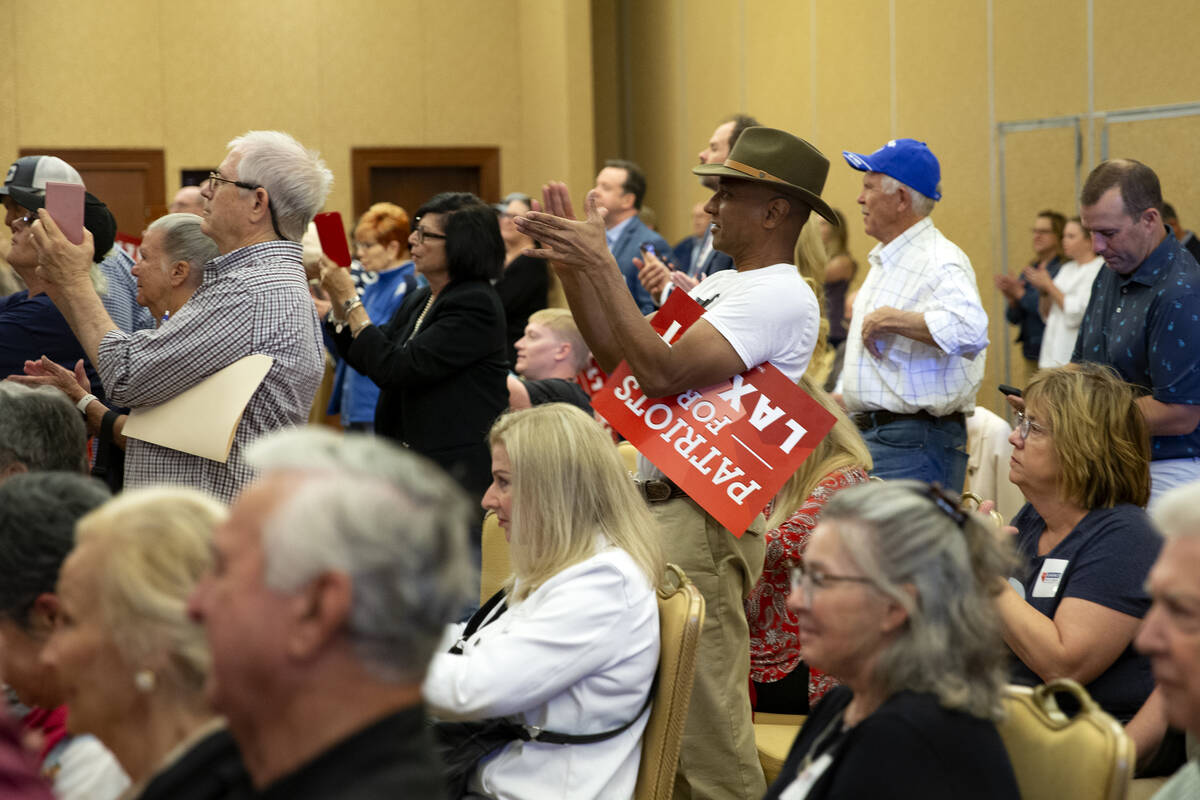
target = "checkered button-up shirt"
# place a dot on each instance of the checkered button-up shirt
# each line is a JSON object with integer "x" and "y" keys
{"x": 920, "y": 270}
{"x": 253, "y": 300}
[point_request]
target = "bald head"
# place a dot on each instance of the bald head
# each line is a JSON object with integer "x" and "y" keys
{"x": 187, "y": 201}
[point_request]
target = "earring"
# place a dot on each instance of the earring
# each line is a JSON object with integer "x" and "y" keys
{"x": 144, "y": 680}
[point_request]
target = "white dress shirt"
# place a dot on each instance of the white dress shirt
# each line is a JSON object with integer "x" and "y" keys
{"x": 1075, "y": 281}
{"x": 920, "y": 270}
{"x": 576, "y": 656}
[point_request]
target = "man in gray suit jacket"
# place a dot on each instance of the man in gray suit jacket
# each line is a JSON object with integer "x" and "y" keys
{"x": 622, "y": 187}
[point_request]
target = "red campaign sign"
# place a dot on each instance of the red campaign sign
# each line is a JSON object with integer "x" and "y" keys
{"x": 731, "y": 446}
{"x": 591, "y": 378}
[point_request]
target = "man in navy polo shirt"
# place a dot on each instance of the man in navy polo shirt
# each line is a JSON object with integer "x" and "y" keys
{"x": 1142, "y": 318}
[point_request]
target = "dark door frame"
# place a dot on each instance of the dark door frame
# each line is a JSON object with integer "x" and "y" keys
{"x": 362, "y": 159}
{"x": 151, "y": 161}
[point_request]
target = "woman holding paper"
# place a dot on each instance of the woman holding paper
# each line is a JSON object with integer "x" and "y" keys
{"x": 894, "y": 599}
{"x": 440, "y": 361}
{"x": 571, "y": 643}
{"x": 1081, "y": 456}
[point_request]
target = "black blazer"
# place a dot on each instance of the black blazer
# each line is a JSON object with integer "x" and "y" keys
{"x": 440, "y": 390}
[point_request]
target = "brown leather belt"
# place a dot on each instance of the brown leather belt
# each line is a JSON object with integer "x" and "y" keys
{"x": 866, "y": 420}
{"x": 660, "y": 491}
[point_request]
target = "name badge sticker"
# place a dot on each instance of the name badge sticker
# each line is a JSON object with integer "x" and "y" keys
{"x": 799, "y": 788}
{"x": 1049, "y": 577}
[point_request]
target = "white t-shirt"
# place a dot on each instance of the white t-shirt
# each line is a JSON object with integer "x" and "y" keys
{"x": 1075, "y": 281}
{"x": 767, "y": 314}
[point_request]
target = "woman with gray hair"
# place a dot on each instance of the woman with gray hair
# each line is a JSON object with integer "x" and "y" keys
{"x": 894, "y": 599}
{"x": 130, "y": 660}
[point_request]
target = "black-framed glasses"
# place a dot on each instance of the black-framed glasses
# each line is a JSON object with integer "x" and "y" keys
{"x": 215, "y": 177}
{"x": 27, "y": 220}
{"x": 423, "y": 234}
{"x": 1025, "y": 425}
{"x": 809, "y": 580}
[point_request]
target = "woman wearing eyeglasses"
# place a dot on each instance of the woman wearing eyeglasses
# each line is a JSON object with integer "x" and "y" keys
{"x": 894, "y": 599}
{"x": 439, "y": 362}
{"x": 381, "y": 245}
{"x": 1081, "y": 456}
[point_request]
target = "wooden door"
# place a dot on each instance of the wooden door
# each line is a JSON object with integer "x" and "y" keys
{"x": 408, "y": 176}
{"x": 132, "y": 183}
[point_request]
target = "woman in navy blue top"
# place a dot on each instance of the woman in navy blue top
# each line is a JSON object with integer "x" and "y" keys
{"x": 1081, "y": 456}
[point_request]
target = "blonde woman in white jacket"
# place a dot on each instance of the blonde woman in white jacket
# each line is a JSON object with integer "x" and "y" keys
{"x": 574, "y": 647}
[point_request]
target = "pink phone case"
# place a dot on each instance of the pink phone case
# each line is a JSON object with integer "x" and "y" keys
{"x": 64, "y": 204}
{"x": 332, "y": 234}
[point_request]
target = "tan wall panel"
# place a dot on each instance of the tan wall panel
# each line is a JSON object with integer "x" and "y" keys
{"x": 941, "y": 99}
{"x": 9, "y": 94}
{"x": 556, "y": 140}
{"x": 1171, "y": 147}
{"x": 1041, "y": 58}
{"x": 1039, "y": 173}
{"x": 189, "y": 77}
{"x": 779, "y": 64}
{"x": 659, "y": 92}
{"x": 1146, "y": 53}
{"x": 606, "y": 76}
{"x": 853, "y": 100}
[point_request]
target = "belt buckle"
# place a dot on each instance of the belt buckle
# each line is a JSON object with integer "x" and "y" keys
{"x": 657, "y": 491}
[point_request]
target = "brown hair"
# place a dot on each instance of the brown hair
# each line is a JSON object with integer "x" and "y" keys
{"x": 1139, "y": 186}
{"x": 1100, "y": 436}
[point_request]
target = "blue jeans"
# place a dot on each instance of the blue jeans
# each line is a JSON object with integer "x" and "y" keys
{"x": 923, "y": 450}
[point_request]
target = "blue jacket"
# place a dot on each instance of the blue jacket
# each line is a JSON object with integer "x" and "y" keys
{"x": 354, "y": 395}
{"x": 629, "y": 245}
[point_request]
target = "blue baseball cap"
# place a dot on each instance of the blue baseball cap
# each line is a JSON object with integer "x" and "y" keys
{"x": 907, "y": 160}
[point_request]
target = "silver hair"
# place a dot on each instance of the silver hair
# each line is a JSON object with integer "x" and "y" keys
{"x": 921, "y": 204}
{"x": 1177, "y": 512}
{"x": 40, "y": 428}
{"x": 391, "y": 520}
{"x": 951, "y": 645}
{"x": 297, "y": 180}
{"x": 184, "y": 241}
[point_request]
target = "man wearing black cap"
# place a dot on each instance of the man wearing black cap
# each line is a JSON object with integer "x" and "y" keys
{"x": 761, "y": 310}
{"x": 118, "y": 287}
{"x": 30, "y": 325}
{"x": 918, "y": 334}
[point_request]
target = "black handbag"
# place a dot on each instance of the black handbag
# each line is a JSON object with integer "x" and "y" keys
{"x": 462, "y": 745}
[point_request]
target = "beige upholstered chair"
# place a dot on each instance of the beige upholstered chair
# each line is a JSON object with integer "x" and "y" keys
{"x": 1053, "y": 756}
{"x": 680, "y": 617}
{"x": 774, "y": 735}
{"x": 496, "y": 564}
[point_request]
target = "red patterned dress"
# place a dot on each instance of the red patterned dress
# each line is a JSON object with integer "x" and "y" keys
{"x": 774, "y": 633}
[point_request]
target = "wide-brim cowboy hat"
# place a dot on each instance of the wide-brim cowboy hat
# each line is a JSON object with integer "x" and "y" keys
{"x": 779, "y": 159}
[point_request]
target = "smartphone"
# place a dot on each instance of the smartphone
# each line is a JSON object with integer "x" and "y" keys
{"x": 332, "y": 234}
{"x": 64, "y": 204}
{"x": 647, "y": 247}
{"x": 1009, "y": 390}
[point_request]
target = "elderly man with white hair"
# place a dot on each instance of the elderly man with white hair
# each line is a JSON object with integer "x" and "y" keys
{"x": 1170, "y": 633}
{"x": 334, "y": 579}
{"x": 253, "y": 300}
